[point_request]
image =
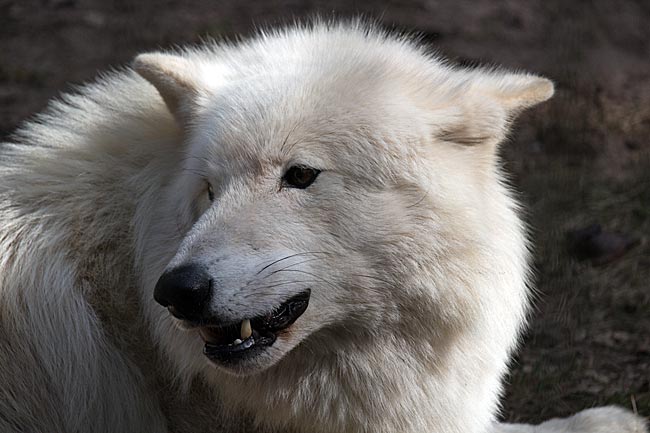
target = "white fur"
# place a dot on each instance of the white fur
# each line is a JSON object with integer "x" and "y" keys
{"x": 607, "y": 419}
{"x": 413, "y": 249}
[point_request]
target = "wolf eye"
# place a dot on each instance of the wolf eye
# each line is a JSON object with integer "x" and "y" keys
{"x": 210, "y": 192}
{"x": 300, "y": 177}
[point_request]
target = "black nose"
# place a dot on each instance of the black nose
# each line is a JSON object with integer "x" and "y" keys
{"x": 185, "y": 290}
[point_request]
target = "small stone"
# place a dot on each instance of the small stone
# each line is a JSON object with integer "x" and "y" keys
{"x": 600, "y": 246}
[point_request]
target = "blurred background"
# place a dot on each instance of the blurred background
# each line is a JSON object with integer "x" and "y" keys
{"x": 581, "y": 162}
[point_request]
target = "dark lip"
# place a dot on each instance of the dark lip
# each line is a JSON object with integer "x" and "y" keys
{"x": 265, "y": 327}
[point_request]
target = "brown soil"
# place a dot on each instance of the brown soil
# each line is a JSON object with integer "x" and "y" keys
{"x": 580, "y": 159}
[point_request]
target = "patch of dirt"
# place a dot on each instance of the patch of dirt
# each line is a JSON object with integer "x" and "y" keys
{"x": 583, "y": 158}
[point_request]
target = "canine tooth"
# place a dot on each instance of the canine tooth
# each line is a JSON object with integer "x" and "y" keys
{"x": 237, "y": 341}
{"x": 246, "y": 330}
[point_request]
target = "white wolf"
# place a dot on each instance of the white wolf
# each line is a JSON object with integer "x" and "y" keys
{"x": 319, "y": 214}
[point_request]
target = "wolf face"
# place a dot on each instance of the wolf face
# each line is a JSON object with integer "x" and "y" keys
{"x": 337, "y": 192}
{"x": 303, "y": 198}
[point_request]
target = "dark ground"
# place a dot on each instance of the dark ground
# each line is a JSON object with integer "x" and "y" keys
{"x": 583, "y": 158}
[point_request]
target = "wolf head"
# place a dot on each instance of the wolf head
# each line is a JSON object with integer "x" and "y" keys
{"x": 336, "y": 223}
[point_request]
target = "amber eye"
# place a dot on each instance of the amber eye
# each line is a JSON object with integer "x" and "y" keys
{"x": 210, "y": 192}
{"x": 300, "y": 177}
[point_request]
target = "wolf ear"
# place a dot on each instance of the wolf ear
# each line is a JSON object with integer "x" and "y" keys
{"x": 175, "y": 80}
{"x": 516, "y": 92}
{"x": 490, "y": 101}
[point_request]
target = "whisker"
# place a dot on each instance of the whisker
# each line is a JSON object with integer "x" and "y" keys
{"x": 292, "y": 265}
{"x": 329, "y": 283}
{"x": 288, "y": 257}
{"x": 284, "y": 143}
{"x": 260, "y": 290}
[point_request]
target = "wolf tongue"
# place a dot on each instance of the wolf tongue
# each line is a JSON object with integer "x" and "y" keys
{"x": 246, "y": 330}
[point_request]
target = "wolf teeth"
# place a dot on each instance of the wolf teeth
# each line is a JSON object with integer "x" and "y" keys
{"x": 246, "y": 330}
{"x": 236, "y": 342}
